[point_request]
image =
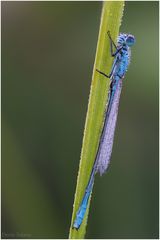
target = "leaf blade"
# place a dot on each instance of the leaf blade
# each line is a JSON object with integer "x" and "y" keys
{"x": 112, "y": 12}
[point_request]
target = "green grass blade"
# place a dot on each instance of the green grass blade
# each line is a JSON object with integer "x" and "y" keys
{"x": 112, "y": 12}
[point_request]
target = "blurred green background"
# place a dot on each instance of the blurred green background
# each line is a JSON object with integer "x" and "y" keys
{"x": 48, "y": 51}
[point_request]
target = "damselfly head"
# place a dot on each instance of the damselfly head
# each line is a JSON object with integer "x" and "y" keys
{"x": 125, "y": 39}
{"x": 130, "y": 40}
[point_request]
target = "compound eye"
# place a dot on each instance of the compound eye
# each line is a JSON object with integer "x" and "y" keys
{"x": 130, "y": 40}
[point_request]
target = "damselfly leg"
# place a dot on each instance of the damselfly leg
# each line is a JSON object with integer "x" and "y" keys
{"x": 113, "y": 54}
